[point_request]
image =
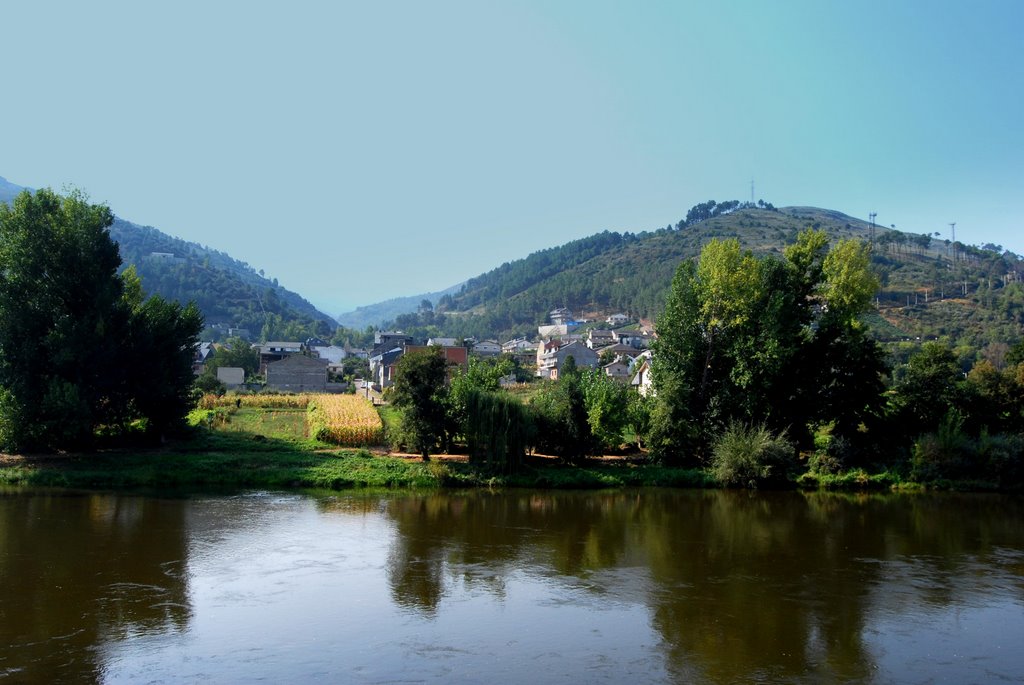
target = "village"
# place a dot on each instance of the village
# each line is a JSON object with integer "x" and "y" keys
{"x": 617, "y": 345}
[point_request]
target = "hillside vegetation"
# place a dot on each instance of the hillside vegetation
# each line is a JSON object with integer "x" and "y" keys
{"x": 226, "y": 290}
{"x": 929, "y": 288}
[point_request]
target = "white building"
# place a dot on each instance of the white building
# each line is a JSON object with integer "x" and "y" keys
{"x": 617, "y": 320}
{"x": 487, "y": 348}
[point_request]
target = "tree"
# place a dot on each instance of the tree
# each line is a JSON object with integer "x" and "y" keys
{"x": 560, "y": 415}
{"x": 498, "y": 430}
{"x": 158, "y": 362}
{"x": 235, "y": 352}
{"x": 764, "y": 342}
{"x": 419, "y": 390}
{"x": 607, "y": 402}
{"x": 930, "y": 387}
{"x": 79, "y": 348}
{"x": 849, "y": 282}
{"x": 1016, "y": 354}
{"x": 481, "y": 375}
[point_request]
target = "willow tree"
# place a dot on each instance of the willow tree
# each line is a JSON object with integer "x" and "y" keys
{"x": 499, "y": 430}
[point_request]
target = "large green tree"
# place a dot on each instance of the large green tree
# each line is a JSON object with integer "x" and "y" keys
{"x": 79, "y": 350}
{"x": 560, "y": 416}
{"x": 767, "y": 341}
{"x": 420, "y": 392}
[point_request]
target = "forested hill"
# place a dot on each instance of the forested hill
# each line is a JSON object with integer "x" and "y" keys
{"x": 226, "y": 290}
{"x": 631, "y": 273}
{"x": 622, "y": 272}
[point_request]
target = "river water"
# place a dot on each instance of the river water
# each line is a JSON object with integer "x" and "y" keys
{"x": 651, "y": 586}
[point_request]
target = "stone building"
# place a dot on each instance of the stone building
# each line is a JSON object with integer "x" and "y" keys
{"x": 297, "y": 373}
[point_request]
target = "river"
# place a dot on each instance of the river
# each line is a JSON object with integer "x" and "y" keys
{"x": 646, "y": 586}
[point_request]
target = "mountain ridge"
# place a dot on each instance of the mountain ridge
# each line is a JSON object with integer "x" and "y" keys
{"x": 631, "y": 273}
{"x": 229, "y": 292}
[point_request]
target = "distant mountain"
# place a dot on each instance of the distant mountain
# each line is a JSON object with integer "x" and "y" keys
{"x": 381, "y": 312}
{"x": 8, "y": 190}
{"x": 227, "y": 291}
{"x": 923, "y": 278}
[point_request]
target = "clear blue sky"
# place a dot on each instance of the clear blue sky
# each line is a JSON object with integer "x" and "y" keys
{"x": 364, "y": 150}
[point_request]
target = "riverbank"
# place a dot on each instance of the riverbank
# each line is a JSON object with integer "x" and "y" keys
{"x": 322, "y": 469}
{"x": 229, "y": 461}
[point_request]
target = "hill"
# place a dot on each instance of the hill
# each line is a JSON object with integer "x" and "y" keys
{"x": 9, "y": 190}
{"x": 379, "y": 313}
{"x": 228, "y": 292}
{"x": 969, "y": 295}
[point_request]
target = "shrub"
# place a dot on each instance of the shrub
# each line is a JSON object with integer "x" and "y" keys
{"x": 830, "y": 456}
{"x": 946, "y": 453}
{"x": 750, "y": 455}
{"x": 1003, "y": 458}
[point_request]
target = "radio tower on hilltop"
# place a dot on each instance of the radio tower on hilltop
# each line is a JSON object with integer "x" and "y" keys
{"x": 751, "y": 191}
{"x": 871, "y": 234}
{"x": 952, "y": 238}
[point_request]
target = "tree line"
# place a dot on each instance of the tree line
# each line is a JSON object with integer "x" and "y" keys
{"x": 764, "y": 370}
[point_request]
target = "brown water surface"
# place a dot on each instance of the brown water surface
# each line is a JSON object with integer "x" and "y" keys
{"x": 659, "y": 586}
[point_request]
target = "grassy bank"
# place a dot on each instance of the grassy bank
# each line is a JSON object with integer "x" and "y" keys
{"x": 234, "y": 464}
{"x": 240, "y": 463}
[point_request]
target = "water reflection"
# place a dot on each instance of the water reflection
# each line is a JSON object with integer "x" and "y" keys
{"x": 82, "y": 571}
{"x": 740, "y": 586}
{"x": 652, "y": 586}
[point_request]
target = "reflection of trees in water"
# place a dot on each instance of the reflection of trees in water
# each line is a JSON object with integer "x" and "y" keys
{"x": 742, "y": 585}
{"x": 749, "y": 590}
{"x": 478, "y": 538}
{"x": 78, "y": 571}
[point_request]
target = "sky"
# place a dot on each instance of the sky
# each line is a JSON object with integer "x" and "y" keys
{"x": 359, "y": 151}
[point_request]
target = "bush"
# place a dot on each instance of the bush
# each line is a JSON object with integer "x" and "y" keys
{"x": 830, "y": 456}
{"x": 1003, "y": 458}
{"x": 946, "y": 453}
{"x": 750, "y": 455}
{"x": 209, "y": 385}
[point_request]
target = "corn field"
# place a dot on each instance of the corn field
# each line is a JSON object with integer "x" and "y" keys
{"x": 344, "y": 420}
{"x": 340, "y": 419}
{"x": 300, "y": 401}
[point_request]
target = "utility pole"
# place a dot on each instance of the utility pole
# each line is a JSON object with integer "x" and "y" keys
{"x": 952, "y": 238}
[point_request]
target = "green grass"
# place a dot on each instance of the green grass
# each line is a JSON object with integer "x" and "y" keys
{"x": 260, "y": 469}
{"x": 391, "y": 417}
{"x": 282, "y": 423}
